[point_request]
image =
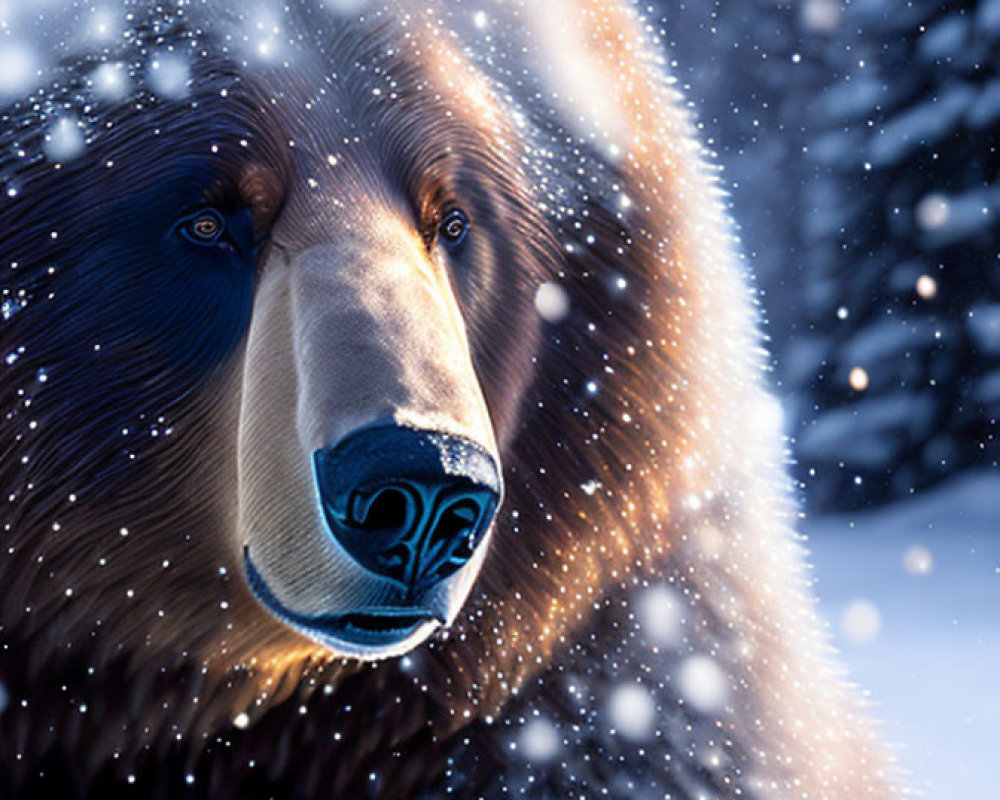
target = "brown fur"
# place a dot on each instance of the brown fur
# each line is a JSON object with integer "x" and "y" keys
{"x": 678, "y": 366}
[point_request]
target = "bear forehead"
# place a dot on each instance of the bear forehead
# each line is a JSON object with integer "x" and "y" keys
{"x": 338, "y": 78}
{"x": 357, "y": 103}
{"x": 437, "y": 74}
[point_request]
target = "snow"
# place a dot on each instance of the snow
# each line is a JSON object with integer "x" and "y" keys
{"x": 876, "y": 428}
{"x": 985, "y": 110}
{"x": 587, "y": 99}
{"x": 703, "y": 683}
{"x": 918, "y": 561}
{"x": 110, "y": 81}
{"x": 64, "y": 140}
{"x": 953, "y": 218}
{"x": 170, "y": 75}
{"x": 924, "y": 125}
{"x": 18, "y": 69}
{"x": 933, "y": 211}
{"x": 984, "y": 326}
{"x": 988, "y": 17}
{"x": 632, "y": 712}
{"x": 860, "y": 623}
{"x": 944, "y": 37}
{"x": 551, "y": 302}
{"x": 821, "y": 15}
{"x": 539, "y": 741}
{"x": 8, "y": 309}
{"x": 660, "y": 612}
{"x": 930, "y": 567}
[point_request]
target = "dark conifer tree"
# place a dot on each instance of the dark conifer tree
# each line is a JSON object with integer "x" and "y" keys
{"x": 898, "y": 375}
{"x": 859, "y": 143}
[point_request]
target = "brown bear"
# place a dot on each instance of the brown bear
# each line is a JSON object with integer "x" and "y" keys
{"x": 383, "y": 417}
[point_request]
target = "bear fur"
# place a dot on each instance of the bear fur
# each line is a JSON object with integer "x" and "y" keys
{"x": 613, "y": 337}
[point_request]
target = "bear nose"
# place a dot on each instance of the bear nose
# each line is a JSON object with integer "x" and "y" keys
{"x": 409, "y": 505}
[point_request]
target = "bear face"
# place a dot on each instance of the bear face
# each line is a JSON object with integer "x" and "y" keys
{"x": 296, "y": 350}
{"x": 348, "y": 285}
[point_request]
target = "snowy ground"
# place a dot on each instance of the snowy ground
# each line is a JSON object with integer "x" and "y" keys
{"x": 913, "y": 595}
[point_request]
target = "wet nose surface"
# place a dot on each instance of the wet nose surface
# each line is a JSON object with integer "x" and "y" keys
{"x": 407, "y": 504}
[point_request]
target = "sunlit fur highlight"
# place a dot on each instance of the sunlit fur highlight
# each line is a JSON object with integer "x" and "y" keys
{"x": 682, "y": 491}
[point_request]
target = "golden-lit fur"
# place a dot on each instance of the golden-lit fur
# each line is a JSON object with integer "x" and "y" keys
{"x": 563, "y": 134}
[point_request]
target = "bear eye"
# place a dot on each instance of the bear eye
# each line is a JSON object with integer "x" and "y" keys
{"x": 205, "y": 228}
{"x": 454, "y": 228}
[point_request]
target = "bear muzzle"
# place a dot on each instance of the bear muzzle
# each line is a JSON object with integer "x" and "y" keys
{"x": 368, "y": 467}
{"x": 411, "y": 509}
{"x": 408, "y": 505}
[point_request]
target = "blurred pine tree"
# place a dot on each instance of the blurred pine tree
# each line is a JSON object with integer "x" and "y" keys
{"x": 860, "y": 145}
{"x": 897, "y": 371}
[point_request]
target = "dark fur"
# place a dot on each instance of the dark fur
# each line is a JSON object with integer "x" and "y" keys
{"x": 160, "y": 691}
{"x": 122, "y": 428}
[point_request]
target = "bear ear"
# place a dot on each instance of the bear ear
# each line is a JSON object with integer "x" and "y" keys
{"x": 608, "y": 86}
{"x": 608, "y": 81}
{"x": 597, "y": 69}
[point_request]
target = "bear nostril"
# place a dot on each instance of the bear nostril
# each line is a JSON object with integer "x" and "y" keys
{"x": 408, "y": 505}
{"x": 389, "y": 508}
{"x": 455, "y": 535}
{"x": 456, "y": 519}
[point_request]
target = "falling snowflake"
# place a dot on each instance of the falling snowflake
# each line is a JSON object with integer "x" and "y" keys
{"x": 703, "y": 683}
{"x": 632, "y": 712}
{"x": 552, "y": 302}
{"x": 861, "y": 622}
{"x": 660, "y": 614}
{"x": 539, "y": 741}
